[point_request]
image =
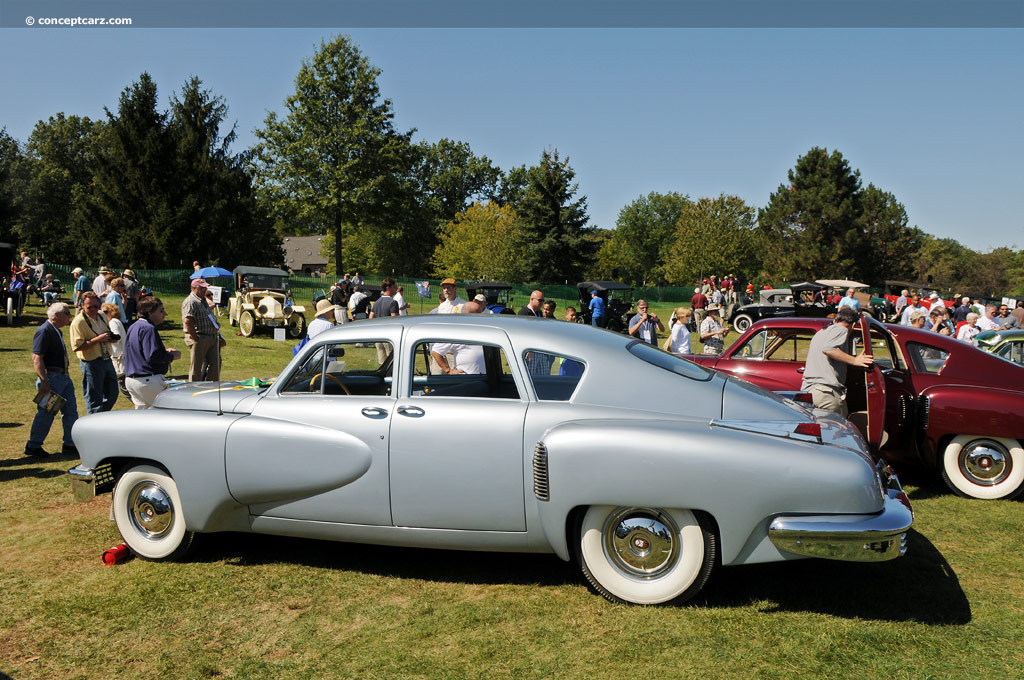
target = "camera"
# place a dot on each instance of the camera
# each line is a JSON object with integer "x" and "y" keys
{"x": 114, "y": 337}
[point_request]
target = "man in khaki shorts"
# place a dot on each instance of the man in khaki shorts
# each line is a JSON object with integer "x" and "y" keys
{"x": 827, "y": 359}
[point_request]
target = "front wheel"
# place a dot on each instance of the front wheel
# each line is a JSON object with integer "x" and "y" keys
{"x": 147, "y": 511}
{"x": 296, "y": 325}
{"x": 247, "y": 324}
{"x": 645, "y": 555}
{"x": 10, "y": 310}
{"x": 742, "y": 322}
{"x": 988, "y": 468}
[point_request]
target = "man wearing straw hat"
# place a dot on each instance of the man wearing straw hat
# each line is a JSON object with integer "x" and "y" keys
{"x": 324, "y": 319}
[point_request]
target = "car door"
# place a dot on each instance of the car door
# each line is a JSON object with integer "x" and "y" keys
{"x": 456, "y": 457}
{"x": 874, "y": 383}
{"x": 316, "y": 448}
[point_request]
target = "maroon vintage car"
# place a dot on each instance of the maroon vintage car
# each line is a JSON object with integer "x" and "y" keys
{"x": 928, "y": 398}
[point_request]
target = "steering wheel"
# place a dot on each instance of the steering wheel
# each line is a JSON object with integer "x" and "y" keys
{"x": 312, "y": 382}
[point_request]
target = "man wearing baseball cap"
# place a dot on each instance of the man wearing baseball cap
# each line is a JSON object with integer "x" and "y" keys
{"x": 81, "y": 285}
{"x": 202, "y": 333}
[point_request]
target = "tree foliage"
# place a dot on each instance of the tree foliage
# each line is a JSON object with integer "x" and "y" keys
{"x": 335, "y": 161}
{"x": 714, "y": 235}
{"x": 638, "y": 247}
{"x": 555, "y": 231}
{"x": 890, "y": 245}
{"x": 484, "y": 241}
{"x": 10, "y": 160}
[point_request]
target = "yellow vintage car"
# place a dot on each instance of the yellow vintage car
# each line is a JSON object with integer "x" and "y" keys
{"x": 262, "y": 298}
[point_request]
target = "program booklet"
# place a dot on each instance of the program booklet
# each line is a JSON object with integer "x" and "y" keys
{"x": 51, "y": 401}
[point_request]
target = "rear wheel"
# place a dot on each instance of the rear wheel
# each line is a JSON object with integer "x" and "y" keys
{"x": 247, "y": 324}
{"x": 645, "y": 555}
{"x": 988, "y": 468}
{"x": 10, "y": 310}
{"x": 147, "y": 510}
{"x": 742, "y": 322}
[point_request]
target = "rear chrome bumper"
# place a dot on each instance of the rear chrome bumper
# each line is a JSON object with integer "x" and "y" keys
{"x": 851, "y": 538}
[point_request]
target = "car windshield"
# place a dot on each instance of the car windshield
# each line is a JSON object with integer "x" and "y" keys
{"x": 265, "y": 281}
{"x": 669, "y": 362}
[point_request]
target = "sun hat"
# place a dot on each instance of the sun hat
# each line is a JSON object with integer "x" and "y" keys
{"x": 713, "y": 308}
{"x": 324, "y": 306}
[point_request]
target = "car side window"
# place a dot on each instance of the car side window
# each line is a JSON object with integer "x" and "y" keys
{"x": 452, "y": 369}
{"x": 927, "y": 359}
{"x": 789, "y": 347}
{"x": 883, "y": 351}
{"x": 554, "y": 377}
{"x": 345, "y": 369}
{"x": 1014, "y": 351}
{"x": 753, "y": 348}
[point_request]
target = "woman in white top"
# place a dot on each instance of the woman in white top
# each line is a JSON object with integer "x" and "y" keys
{"x": 679, "y": 340}
{"x": 969, "y": 330}
{"x": 113, "y": 314}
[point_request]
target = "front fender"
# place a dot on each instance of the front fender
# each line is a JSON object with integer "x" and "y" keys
{"x": 741, "y": 479}
{"x": 188, "y": 444}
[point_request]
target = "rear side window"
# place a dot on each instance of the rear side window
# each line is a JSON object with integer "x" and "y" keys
{"x": 554, "y": 377}
{"x": 927, "y": 359}
{"x": 669, "y": 362}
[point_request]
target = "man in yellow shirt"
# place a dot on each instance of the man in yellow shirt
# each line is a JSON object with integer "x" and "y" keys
{"x": 91, "y": 338}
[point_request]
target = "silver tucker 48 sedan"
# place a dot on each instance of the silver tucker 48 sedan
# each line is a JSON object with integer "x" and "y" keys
{"x": 488, "y": 432}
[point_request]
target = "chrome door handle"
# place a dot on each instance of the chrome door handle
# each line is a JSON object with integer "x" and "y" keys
{"x": 800, "y": 370}
{"x": 374, "y": 412}
{"x": 414, "y": 411}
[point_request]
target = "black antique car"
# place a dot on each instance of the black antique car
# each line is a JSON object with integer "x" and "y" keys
{"x": 498, "y": 294}
{"x": 618, "y": 300}
{"x": 800, "y": 299}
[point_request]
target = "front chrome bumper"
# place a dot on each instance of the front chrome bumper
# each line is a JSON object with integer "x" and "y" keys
{"x": 87, "y": 482}
{"x": 852, "y": 538}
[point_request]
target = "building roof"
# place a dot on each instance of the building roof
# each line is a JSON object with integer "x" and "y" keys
{"x": 303, "y": 251}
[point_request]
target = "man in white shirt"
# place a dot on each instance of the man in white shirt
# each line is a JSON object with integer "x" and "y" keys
{"x": 987, "y": 321}
{"x": 467, "y": 359}
{"x": 354, "y": 300}
{"x": 452, "y": 302}
{"x": 323, "y": 321}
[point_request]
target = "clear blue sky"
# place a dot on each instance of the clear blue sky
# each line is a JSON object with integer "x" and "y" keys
{"x": 933, "y": 116}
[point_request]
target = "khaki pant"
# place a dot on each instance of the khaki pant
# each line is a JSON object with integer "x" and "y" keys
{"x": 829, "y": 399}
{"x": 145, "y": 390}
{"x": 206, "y": 351}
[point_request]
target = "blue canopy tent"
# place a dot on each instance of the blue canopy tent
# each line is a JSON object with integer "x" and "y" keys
{"x": 210, "y": 273}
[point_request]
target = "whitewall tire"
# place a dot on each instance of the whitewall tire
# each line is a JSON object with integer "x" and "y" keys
{"x": 988, "y": 468}
{"x": 645, "y": 555}
{"x": 148, "y": 513}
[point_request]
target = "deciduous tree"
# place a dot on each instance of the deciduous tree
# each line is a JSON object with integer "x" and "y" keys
{"x": 714, "y": 236}
{"x": 484, "y": 241}
{"x": 638, "y": 247}
{"x": 334, "y": 161}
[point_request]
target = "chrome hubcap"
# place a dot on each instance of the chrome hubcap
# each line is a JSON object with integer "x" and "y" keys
{"x": 985, "y": 462}
{"x": 641, "y": 542}
{"x": 151, "y": 510}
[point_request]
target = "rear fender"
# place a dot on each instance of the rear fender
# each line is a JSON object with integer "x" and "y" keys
{"x": 739, "y": 478}
{"x": 964, "y": 409}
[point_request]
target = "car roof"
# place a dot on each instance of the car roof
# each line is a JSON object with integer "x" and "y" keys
{"x": 603, "y": 285}
{"x": 481, "y": 285}
{"x": 266, "y": 271}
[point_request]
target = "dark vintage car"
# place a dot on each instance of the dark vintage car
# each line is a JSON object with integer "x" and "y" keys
{"x": 618, "y": 301}
{"x": 798, "y": 299}
{"x": 498, "y": 294}
{"x": 929, "y": 398}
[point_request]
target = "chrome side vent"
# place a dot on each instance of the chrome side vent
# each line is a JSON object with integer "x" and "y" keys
{"x": 923, "y": 411}
{"x": 540, "y": 472}
{"x": 904, "y": 409}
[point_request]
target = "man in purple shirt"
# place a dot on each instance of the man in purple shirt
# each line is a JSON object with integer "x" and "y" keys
{"x": 145, "y": 358}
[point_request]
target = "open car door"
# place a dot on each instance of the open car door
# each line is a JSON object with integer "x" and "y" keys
{"x": 874, "y": 382}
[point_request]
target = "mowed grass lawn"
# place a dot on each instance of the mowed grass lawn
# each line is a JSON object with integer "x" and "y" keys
{"x": 265, "y": 607}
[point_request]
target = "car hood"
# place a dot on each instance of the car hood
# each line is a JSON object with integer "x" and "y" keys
{"x": 228, "y": 397}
